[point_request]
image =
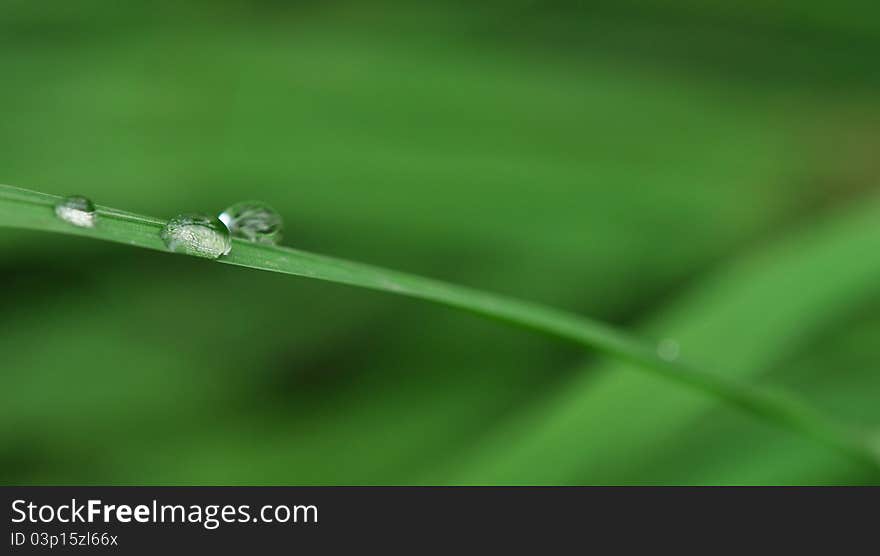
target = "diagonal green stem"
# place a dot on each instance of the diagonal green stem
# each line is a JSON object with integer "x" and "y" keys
{"x": 22, "y": 208}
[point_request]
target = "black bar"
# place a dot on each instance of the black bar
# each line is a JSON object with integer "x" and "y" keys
{"x": 541, "y": 519}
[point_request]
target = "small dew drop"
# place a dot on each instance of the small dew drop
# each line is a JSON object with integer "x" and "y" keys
{"x": 668, "y": 349}
{"x": 875, "y": 445}
{"x": 254, "y": 221}
{"x": 199, "y": 235}
{"x": 76, "y": 210}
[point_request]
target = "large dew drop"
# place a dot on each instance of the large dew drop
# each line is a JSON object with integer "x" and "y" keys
{"x": 253, "y": 221}
{"x": 196, "y": 234}
{"x": 76, "y": 210}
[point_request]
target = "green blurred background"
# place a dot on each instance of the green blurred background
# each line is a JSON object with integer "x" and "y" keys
{"x": 701, "y": 171}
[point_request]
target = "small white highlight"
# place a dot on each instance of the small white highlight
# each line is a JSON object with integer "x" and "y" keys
{"x": 226, "y": 218}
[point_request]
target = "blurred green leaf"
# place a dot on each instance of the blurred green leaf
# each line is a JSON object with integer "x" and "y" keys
{"x": 608, "y": 157}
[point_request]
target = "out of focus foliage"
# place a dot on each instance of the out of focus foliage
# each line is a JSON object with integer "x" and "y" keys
{"x": 704, "y": 171}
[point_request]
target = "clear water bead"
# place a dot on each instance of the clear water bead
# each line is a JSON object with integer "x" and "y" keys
{"x": 199, "y": 235}
{"x": 254, "y": 221}
{"x": 76, "y": 210}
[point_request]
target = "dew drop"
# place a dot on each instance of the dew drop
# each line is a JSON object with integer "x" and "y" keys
{"x": 668, "y": 349}
{"x": 254, "y": 221}
{"x": 76, "y": 210}
{"x": 196, "y": 234}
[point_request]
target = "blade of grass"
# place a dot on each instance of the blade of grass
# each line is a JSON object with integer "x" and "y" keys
{"x": 777, "y": 305}
{"x": 22, "y": 208}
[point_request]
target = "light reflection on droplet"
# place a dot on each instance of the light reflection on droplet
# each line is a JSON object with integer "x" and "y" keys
{"x": 77, "y": 210}
{"x": 199, "y": 235}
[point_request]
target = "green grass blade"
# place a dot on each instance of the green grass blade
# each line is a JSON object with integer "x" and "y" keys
{"x": 778, "y": 305}
{"x": 23, "y": 208}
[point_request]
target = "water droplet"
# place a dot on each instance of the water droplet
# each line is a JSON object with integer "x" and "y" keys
{"x": 253, "y": 221}
{"x": 76, "y": 210}
{"x": 875, "y": 445}
{"x": 196, "y": 234}
{"x": 668, "y": 349}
